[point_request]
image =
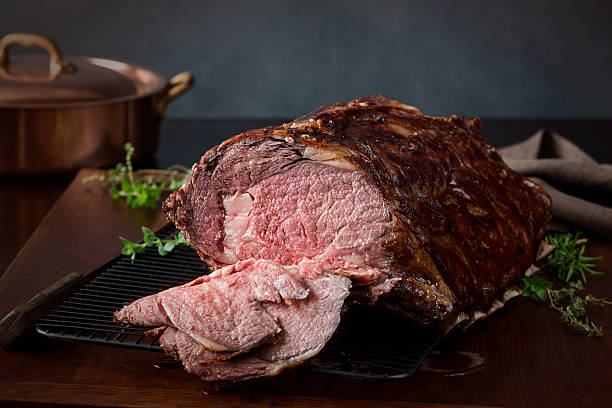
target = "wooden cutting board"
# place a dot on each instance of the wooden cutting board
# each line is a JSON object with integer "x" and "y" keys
{"x": 79, "y": 234}
{"x": 531, "y": 358}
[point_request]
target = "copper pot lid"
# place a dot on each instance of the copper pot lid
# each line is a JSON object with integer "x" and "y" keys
{"x": 38, "y": 81}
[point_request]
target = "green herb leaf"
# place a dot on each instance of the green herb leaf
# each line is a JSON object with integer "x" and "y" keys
{"x": 592, "y": 300}
{"x": 148, "y": 236}
{"x": 169, "y": 246}
{"x": 131, "y": 248}
{"x": 142, "y": 188}
{"x": 576, "y": 285}
{"x": 572, "y": 312}
{"x": 161, "y": 250}
{"x": 568, "y": 263}
{"x": 567, "y": 260}
{"x": 164, "y": 246}
{"x": 180, "y": 239}
{"x": 536, "y": 287}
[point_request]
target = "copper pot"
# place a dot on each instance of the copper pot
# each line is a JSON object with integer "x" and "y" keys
{"x": 61, "y": 114}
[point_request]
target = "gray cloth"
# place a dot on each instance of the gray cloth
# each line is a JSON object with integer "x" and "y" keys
{"x": 580, "y": 188}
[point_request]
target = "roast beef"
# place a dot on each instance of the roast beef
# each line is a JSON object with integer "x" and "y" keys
{"x": 307, "y": 324}
{"x": 289, "y": 311}
{"x": 422, "y": 210}
{"x": 419, "y": 213}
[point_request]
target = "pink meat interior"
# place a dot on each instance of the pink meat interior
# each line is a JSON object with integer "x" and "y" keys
{"x": 309, "y": 210}
{"x": 245, "y": 320}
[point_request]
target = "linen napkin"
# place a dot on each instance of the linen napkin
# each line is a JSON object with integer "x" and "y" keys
{"x": 580, "y": 188}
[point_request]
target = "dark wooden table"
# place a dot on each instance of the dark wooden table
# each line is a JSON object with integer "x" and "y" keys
{"x": 531, "y": 359}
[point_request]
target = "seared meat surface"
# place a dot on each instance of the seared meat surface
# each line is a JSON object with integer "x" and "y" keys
{"x": 420, "y": 213}
{"x": 423, "y": 207}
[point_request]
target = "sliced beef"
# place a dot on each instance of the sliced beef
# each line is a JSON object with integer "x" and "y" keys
{"x": 180, "y": 346}
{"x": 306, "y": 324}
{"x": 175, "y": 343}
{"x": 290, "y": 312}
{"x": 420, "y": 210}
{"x": 227, "y": 313}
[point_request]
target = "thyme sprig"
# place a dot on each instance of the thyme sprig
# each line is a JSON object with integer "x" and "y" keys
{"x": 573, "y": 312}
{"x": 164, "y": 246}
{"x": 567, "y": 261}
{"x": 140, "y": 188}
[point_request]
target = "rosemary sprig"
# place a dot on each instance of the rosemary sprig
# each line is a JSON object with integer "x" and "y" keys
{"x": 150, "y": 239}
{"x": 567, "y": 260}
{"x": 140, "y": 188}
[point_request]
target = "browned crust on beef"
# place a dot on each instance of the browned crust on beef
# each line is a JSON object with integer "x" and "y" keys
{"x": 463, "y": 225}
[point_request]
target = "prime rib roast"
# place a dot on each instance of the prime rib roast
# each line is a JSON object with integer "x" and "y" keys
{"x": 411, "y": 213}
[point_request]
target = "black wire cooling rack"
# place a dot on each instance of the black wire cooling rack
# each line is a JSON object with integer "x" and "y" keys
{"x": 367, "y": 345}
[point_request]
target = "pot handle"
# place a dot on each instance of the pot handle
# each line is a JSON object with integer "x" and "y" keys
{"x": 178, "y": 85}
{"x": 57, "y": 64}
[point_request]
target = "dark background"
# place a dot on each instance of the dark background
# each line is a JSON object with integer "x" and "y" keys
{"x": 262, "y": 59}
